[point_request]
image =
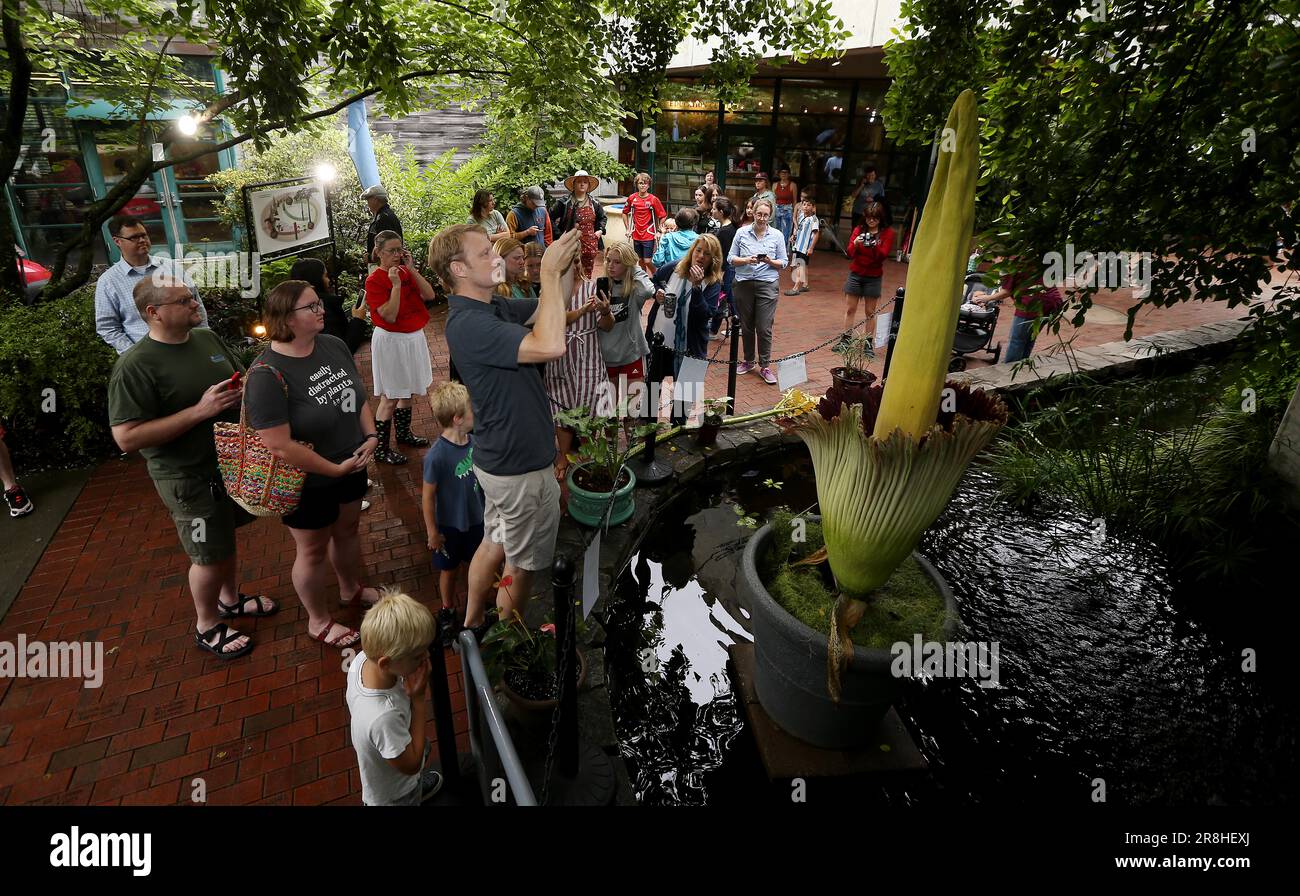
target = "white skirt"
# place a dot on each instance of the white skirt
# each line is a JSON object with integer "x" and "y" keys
{"x": 400, "y": 363}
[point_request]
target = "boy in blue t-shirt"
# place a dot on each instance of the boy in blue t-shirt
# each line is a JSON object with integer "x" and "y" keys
{"x": 452, "y": 500}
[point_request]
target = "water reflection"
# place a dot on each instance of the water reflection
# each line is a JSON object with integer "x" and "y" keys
{"x": 1102, "y": 674}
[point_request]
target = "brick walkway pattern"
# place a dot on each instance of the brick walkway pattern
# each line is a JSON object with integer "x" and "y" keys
{"x": 272, "y": 727}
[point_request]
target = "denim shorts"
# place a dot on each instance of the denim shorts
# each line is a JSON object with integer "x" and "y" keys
{"x": 862, "y": 285}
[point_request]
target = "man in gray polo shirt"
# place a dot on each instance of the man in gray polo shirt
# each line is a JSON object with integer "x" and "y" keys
{"x": 514, "y": 431}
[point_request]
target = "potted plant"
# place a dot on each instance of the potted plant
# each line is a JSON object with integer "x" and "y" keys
{"x": 711, "y": 422}
{"x": 521, "y": 662}
{"x": 857, "y": 351}
{"x": 886, "y": 462}
{"x": 598, "y": 467}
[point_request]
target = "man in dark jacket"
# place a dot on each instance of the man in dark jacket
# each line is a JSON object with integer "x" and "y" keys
{"x": 385, "y": 218}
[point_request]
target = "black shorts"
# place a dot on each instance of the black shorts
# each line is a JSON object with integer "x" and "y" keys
{"x": 801, "y": 256}
{"x": 644, "y": 248}
{"x": 862, "y": 285}
{"x": 458, "y": 546}
{"x": 319, "y": 507}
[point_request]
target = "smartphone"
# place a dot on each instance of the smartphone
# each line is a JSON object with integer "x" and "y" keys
{"x": 762, "y": 257}
{"x": 234, "y": 382}
{"x": 602, "y": 286}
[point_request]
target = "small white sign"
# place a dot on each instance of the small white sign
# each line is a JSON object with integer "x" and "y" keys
{"x": 590, "y": 576}
{"x": 791, "y": 373}
{"x": 689, "y": 386}
{"x": 883, "y": 321}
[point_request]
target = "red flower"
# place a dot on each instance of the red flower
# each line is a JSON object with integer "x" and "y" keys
{"x": 549, "y": 628}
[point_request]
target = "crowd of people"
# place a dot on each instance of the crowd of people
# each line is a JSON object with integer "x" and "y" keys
{"x": 531, "y": 330}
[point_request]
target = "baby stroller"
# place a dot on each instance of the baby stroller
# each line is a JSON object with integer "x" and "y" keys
{"x": 975, "y": 326}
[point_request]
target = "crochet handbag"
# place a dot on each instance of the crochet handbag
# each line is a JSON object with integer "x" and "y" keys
{"x": 255, "y": 478}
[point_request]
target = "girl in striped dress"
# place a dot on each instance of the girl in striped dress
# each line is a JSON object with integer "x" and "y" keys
{"x": 802, "y": 241}
{"x": 576, "y": 380}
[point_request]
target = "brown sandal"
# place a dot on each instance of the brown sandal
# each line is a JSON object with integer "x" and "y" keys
{"x": 349, "y": 638}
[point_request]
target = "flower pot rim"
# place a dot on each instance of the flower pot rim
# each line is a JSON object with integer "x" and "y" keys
{"x": 783, "y": 619}
{"x": 623, "y": 490}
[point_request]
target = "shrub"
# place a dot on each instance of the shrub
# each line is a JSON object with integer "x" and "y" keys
{"x": 54, "y": 346}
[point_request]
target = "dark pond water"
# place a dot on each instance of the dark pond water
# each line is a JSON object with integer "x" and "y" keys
{"x": 1105, "y": 671}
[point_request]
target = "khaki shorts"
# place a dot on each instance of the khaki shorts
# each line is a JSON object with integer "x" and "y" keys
{"x": 522, "y": 513}
{"x": 205, "y": 517}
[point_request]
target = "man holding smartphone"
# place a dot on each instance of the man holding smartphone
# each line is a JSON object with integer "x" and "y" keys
{"x": 758, "y": 255}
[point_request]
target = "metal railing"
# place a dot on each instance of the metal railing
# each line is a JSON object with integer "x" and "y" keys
{"x": 494, "y": 755}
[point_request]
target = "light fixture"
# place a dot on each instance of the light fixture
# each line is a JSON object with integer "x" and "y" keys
{"x": 187, "y": 125}
{"x": 259, "y": 330}
{"x": 326, "y": 173}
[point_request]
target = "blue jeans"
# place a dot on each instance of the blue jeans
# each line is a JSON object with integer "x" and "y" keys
{"x": 1021, "y": 341}
{"x": 783, "y": 220}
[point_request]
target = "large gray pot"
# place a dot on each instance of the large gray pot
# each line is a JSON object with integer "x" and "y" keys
{"x": 790, "y": 662}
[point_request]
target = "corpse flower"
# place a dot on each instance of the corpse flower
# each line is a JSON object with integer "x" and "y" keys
{"x": 887, "y": 459}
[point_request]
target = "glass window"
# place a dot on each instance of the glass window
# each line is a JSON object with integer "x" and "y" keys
{"x": 199, "y": 68}
{"x": 757, "y": 99}
{"x": 815, "y": 97}
{"x": 51, "y": 189}
{"x": 823, "y": 132}
{"x": 687, "y": 147}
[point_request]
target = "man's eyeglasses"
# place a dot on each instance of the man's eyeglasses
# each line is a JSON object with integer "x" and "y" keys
{"x": 188, "y": 300}
{"x": 314, "y": 307}
{"x": 139, "y": 238}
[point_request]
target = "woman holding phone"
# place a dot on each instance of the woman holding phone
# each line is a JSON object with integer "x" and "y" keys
{"x": 399, "y": 353}
{"x": 305, "y": 388}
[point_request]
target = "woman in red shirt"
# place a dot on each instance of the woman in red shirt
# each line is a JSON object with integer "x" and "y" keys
{"x": 643, "y": 212}
{"x": 399, "y": 352}
{"x": 871, "y": 243}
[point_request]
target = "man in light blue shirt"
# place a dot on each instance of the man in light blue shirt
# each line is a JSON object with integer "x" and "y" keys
{"x": 758, "y": 255}
{"x": 116, "y": 319}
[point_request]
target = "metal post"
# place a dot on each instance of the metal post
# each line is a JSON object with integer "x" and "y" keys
{"x": 448, "y": 757}
{"x": 648, "y": 469}
{"x": 893, "y": 331}
{"x": 733, "y": 330}
{"x": 567, "y": 661}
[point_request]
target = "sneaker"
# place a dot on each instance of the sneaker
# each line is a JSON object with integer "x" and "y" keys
{"x": 430, "y": 784}
{"x": 803, "y": 289}
{"x": 793, "y": 292}
{"x": 743, "y": 368}
{"x": 768, "y": 376}
{"x": 19, "y": 503}
{"x": 365, "y": 505}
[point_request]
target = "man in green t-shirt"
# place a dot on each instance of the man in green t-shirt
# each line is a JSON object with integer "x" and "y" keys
{"x": 163, "y": 396}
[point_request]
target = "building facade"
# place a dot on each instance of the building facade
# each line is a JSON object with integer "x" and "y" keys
{"x": 820, "y": 119}
{"x": 76, "y": 147}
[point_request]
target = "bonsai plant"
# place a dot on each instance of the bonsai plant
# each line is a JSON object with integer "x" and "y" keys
{"x": 887, "y": 460}
{"x": 598, "y": 467}
{"x": 857, "y": 351}
{"x": 711, "y": 422}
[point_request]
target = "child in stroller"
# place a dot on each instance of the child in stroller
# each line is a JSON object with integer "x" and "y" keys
{"x": 975, "y": 324}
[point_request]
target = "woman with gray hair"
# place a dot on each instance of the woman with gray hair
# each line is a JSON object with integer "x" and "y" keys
{"x": 528, "y": 221}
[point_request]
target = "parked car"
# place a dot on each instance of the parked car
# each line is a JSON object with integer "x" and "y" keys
{"x": 35, "y": 276}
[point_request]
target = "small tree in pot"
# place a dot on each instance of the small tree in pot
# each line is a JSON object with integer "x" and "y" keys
{"x": 857, "y": 351}
{"x": 599, "y": 466}
{"x": 711, "y": 422}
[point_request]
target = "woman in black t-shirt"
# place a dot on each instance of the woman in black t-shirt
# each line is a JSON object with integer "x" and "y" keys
{"x": 305, "y": 388}
{"x": 351, "y": 328}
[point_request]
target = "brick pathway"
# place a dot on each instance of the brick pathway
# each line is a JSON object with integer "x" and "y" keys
{"x": 273, "y": 727}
